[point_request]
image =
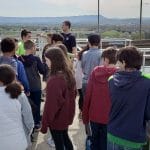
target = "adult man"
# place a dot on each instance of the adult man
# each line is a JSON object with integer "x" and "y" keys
{"x": 25, "y": 36}
{"x": 69, "y": 39}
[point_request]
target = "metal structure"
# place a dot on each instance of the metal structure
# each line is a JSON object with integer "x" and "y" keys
{"x": 146, "y": 56}
{"x": 98, "y": 17}
{"x": 141, "y": 7}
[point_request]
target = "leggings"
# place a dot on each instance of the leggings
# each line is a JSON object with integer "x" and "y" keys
{"x": 61, "y": 139}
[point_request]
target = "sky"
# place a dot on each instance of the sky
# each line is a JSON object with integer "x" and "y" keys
{"x": 58, "y": 8}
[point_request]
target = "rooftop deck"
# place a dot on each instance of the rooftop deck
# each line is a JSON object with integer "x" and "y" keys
{"x": 76, "y": 132}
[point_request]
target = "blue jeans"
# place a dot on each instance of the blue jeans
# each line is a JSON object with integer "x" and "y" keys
{"x": 99, "y": 136}
{"x": 113, "y": 146}
{"x": 84, "y": 85}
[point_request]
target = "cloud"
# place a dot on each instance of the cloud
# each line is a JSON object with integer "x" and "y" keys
{"x": 108, "y": 8}
{"x": 120, "y": 8}
{"x": 88, "y": 5}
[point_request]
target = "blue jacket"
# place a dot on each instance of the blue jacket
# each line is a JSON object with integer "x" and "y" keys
{"x": 22, "y": 77}
{"x": 130, "y": 97}
{"x": 19, "y": 69}
{"x": 90, "y": 60}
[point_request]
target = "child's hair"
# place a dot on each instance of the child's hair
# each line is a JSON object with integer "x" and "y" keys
{"x": 85, "y": 48}
{"x": 16, "y": 40}
{"x": 131, "y": 56}
{"x": 60, "y": 63}
{"x": 94, "y": 39}
{"x": 57, "y": 37}
{"x": 110, "y": 54}
{"x": 7, "y": 45}
{"x": 46, "y": 47}
{"x": 49, "y": 35}
{"x": 7, "y": 77}
{"x": 24, "y": 33}
{"x": 28, "y": 45}
{"x": 63, "y": 48}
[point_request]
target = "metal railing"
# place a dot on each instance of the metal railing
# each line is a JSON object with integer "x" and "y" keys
{"x": 146, "y": 51}
{"x": 146, "y": 55}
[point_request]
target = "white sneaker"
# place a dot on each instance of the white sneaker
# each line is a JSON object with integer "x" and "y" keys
{"x": 50, "y": 142}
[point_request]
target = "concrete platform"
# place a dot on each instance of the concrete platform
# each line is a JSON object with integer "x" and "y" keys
{"x": 76, "y": 132}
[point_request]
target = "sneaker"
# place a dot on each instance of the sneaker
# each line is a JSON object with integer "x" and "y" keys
{"x": 50, "y": 142}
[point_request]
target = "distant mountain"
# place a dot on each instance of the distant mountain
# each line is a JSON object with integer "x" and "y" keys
{"x": 87, "y": 20}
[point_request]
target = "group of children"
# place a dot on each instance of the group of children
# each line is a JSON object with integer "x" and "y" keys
{"x": 114, "y": 100}
{"x": 116, "y": 103}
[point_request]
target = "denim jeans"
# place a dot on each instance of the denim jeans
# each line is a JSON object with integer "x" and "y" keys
{"x": 113, "y": 146}
{"x": 84, "y": 85}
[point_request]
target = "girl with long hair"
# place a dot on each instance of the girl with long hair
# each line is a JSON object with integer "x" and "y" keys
{"x": 60, "y": 99}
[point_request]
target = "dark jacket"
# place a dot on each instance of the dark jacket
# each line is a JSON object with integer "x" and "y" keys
{"x": 96, "y": 106}
{"x": 33, "y": 66}
{"x": 130, "y": 98}
{"x": 69, "y": 41}
{"x": 60, "y": 104}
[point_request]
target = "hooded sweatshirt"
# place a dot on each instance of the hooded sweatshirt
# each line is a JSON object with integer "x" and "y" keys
{"x": 130, "y": 98}
{"x": 9, "y": 61}
{"x": 33, "y": 66}
{"x": 96, "y": 106}
{"x": 18, "y": 68}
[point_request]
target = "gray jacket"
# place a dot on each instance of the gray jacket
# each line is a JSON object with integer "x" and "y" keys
{"x": 9, "y": 61}
{"x": 90, "y": 60}
{"x": 27, "y": 117}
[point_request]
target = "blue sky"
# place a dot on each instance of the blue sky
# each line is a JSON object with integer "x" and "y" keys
{"x": 53, "y": 8}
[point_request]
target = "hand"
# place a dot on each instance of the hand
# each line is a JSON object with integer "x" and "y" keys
{"x": 43, "y": 130}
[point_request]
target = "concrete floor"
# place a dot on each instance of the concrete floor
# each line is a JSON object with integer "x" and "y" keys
{"x": 76, "y": 132}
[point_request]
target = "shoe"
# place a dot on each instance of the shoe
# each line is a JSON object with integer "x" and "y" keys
{"x": 50, "y": 142}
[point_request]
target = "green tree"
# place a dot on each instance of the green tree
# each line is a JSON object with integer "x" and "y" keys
{"x": 111, "y": 34}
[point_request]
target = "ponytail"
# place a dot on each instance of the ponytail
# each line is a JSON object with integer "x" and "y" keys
{"x": 14, "y": 89}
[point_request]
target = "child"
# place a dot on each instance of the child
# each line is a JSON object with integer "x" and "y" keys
{"x": 79, "y": 77}
{"x": 8, "y": 50}
{"x": 12, "y": 133}
{"x": 60, "y": 99}
{"x": 25, "y": 36}
{"x": 8, "y": 47}
{"x": 57, "y": 39}
{"x": 96, "y": 106}
{"x": 33, "y": 66}
{"x": 90, "y": 59}
{"x": 45, "y": 76}
{"x": 130, "y": 98}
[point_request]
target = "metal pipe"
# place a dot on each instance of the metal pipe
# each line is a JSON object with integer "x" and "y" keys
{"x": 98, "y": 17}
{"x": 141, "y": 6}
